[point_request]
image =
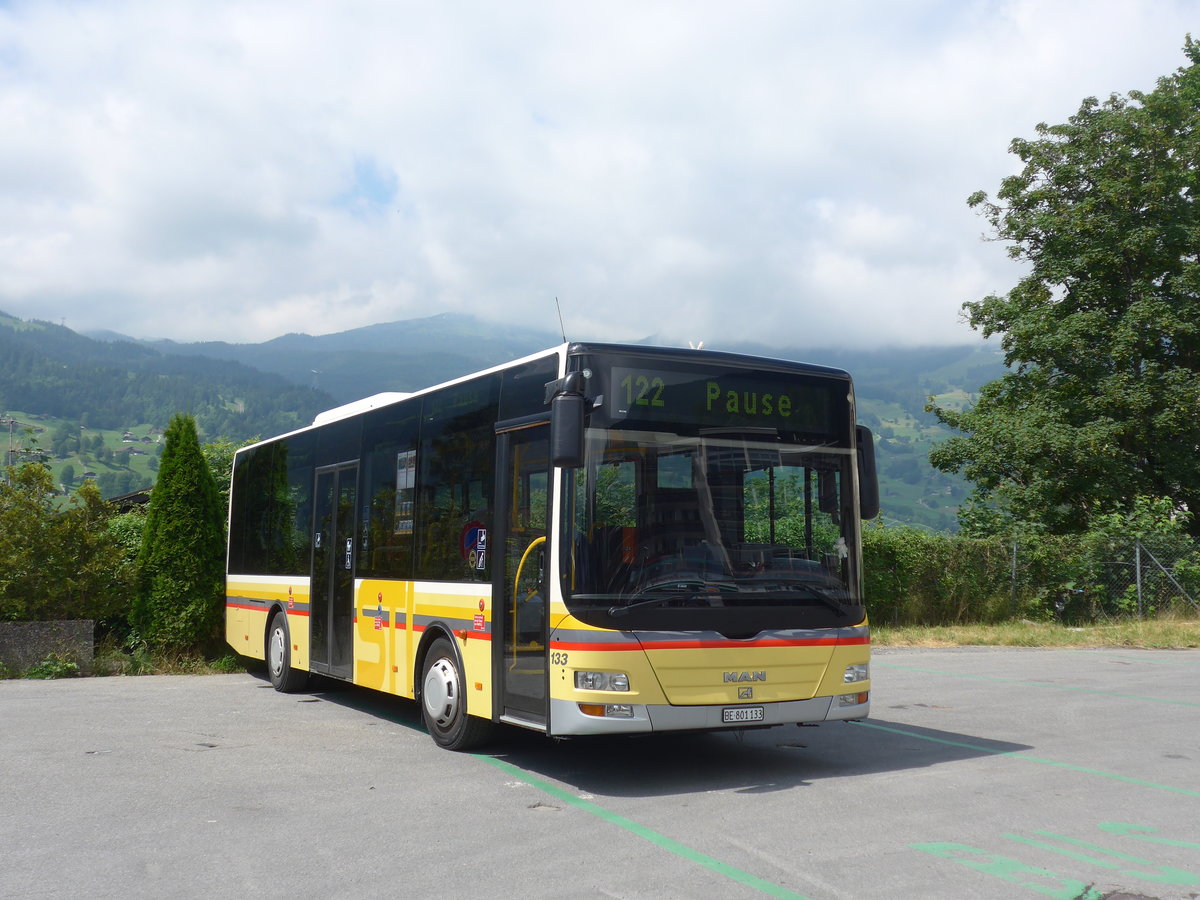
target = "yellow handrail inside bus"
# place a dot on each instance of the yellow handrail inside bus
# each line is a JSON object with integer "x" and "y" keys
{"x": 516, "y": 581}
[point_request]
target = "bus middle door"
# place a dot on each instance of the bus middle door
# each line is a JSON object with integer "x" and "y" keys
{"x": 332, "y": 592}
{"x": 523, "y": 483}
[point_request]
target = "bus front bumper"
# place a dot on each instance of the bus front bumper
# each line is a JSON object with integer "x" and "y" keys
{"x": 567, "y": 717}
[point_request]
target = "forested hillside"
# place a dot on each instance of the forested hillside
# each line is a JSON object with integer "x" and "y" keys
{"x": 114, "y": 385}
{"x": 893, "y": 385}
{"x": 50, "y": 370}
{"x": 391, "y": 356}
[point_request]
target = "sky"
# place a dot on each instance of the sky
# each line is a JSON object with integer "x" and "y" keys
{"x": 792, "y": 173}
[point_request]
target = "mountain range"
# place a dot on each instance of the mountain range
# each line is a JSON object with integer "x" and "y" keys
{"x": 114, "y": 381}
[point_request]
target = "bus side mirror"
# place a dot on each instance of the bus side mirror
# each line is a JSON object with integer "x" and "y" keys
{"x": 868, "y": 481}
{"x": 566, "y": 421}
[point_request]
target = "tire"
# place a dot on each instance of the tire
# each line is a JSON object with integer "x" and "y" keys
{"x": 444, "y": 702}
{"x": 279, "y": 658}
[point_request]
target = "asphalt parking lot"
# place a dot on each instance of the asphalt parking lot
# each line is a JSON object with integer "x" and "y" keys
{"x": 981, "y": 773}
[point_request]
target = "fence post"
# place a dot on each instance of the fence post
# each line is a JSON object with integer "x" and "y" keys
{"x": 1012, "y": 599}
{"x": 1137, "y": 572}
{"x": 1171, "y": 578}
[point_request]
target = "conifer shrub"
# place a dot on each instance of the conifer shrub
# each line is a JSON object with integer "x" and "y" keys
{"x": 178, "y": 605}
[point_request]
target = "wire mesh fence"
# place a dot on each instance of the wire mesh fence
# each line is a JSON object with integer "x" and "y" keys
{"x": 1123, "y": 578}
{"x": 915, "y": 578}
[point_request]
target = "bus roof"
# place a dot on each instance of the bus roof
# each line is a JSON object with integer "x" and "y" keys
{"x": 571, "y": 348}
{"x": 716, "y": 356}
{"x": 368, "y": 403}
{"x": 358, "y": 406}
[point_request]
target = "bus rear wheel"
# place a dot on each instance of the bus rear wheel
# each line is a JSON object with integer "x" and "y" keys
{"x": 444, "y": 702}
{"x": 279, "y": 658}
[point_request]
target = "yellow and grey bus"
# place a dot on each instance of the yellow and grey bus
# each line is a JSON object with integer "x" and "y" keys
{"x": 597, "y": 539}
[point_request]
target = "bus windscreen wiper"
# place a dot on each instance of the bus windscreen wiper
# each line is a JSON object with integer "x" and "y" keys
{"x": 648, "y": 603}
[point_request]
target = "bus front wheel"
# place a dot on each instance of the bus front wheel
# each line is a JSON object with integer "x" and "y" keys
{"x": 279, "y": 658}
{"x": 444, "y": 703}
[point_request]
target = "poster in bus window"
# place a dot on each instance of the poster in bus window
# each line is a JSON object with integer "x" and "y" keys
{"x": 406, "y": 480}
{"x": 406, "y": 469}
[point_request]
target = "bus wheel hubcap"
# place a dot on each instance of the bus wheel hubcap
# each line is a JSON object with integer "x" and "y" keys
{"x": 277, "y": 651}
{"x": 441, "y": 693}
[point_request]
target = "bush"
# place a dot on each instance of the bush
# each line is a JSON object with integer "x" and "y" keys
{"x": 57, "y": 563}
{"x": 915, "y": 577}
{"x": 56, "y": 665}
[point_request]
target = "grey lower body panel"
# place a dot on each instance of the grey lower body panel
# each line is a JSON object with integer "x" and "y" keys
{"x": 566, "y": 718}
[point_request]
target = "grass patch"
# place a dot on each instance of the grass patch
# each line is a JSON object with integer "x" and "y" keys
{"x": 1164, "y": 633}
{"x": 1158, "y": 634}
{"x": 114, "y": 659}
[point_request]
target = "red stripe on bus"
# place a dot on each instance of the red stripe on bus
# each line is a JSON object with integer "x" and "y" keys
{"x": 710, "y": 645}
{"x": 420, "y": 629}
{"x": 255, "y": 608}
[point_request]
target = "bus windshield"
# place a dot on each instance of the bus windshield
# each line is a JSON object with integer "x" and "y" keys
{"x": 733, "y": 530}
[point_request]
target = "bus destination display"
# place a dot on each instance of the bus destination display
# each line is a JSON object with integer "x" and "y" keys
{"x": 720, "y": 399}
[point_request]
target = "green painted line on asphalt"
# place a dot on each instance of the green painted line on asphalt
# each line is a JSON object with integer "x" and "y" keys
{"x": 1015, "y": 754}
{"x": 1193, "y": 663}
{"x": 1040, "y": 684}
{"x": 647, "y": 834}
{"x": 1146, "y": 869}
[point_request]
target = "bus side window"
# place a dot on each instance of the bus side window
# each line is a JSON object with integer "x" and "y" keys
{"x": 268, "y": 531}
{"x": 456, "y": 470}
{"x": 389, "y": 462}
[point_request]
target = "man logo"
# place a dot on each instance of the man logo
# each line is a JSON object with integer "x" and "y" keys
{"x": 746, "y": 693}
{"x": 735, "y": 677}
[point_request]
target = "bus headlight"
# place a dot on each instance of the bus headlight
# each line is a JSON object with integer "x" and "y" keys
{"x": 601, "y": 681}
{"x": 855, "y": 673}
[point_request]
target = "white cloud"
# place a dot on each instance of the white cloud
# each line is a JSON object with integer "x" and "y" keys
{"x": 693, "y": 170}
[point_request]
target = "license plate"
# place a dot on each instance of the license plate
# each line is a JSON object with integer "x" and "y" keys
{"x": 735, "y": 714}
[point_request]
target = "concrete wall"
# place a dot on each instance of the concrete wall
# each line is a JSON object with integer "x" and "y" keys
{"x": 24, "y": 644}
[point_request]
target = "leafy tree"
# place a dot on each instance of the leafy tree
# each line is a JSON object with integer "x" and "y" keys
{"x": 1102, "y": 335}
{"x": 94, "y": 579}
{"x": 125, "y": 530}
{"x": 107, "y": 482}
{"x": 57, "y": 563}
{"x": 65, "y": 440}
{"x": 25, "y": 537}
{"x": 178, "y": 604}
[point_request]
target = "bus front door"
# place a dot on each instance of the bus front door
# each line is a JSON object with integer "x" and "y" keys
{"x": 523, "y": 473}
{"x": 332, "y": 592}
